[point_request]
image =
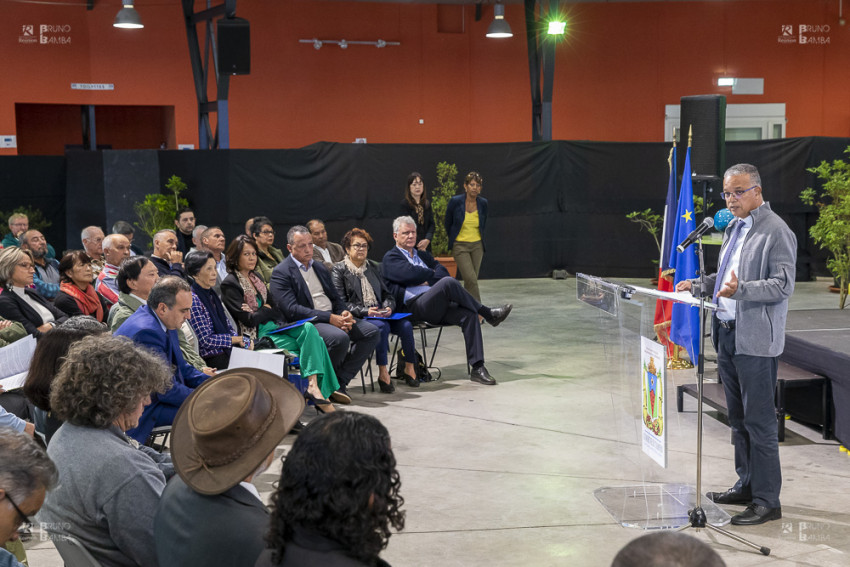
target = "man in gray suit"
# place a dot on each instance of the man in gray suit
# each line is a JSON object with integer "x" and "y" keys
{"x": 223, "y": 437}
{"x": 751, "y": 287}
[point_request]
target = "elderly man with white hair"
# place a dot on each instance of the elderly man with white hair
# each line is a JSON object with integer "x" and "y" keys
{"x": 116, "y": 248}
{"x": 92, "y": 238}
{"x": 167, "y": 258}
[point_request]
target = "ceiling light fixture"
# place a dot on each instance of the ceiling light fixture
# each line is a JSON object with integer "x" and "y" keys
{"x": 128, "y": 17}
{"x": 499, "y": 27}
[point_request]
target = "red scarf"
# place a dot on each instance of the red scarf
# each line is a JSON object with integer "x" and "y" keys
{"x": 87, "y": 301}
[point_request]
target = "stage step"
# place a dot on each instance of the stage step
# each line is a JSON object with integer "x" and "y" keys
{"x": 809, "y": 402}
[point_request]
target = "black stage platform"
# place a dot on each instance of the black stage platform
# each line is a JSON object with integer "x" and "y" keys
{"x": 813, "y": 384}
{"x": 818, "y": 340}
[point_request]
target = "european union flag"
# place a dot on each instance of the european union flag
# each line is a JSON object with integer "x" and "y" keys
{"x": 684, "y": 328}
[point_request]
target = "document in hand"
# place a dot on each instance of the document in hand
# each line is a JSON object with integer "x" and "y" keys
{"x": 15, "y": 362}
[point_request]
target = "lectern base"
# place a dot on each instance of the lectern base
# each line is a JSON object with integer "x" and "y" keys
{"x": 656, "y": 506}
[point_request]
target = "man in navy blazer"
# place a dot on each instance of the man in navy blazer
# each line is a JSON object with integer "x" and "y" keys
{"x": 423, "y": 287}
{"x": 155, "y": 326}
{"x": 302, "y": 289}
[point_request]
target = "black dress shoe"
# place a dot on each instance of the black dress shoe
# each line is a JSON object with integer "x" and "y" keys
{"x": 731, "y": 496}
{"x": 481, "y": 376}
{"x": 755, "y": 515}
{"x": 386, "y": 388}
{"x": 411, "y": 381}
{"x": 297, "y": 428}
{"x": 499, "y": 314}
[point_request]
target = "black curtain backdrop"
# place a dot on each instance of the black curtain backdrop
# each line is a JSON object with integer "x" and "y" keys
{"x": 553, "y": 205}
{"x": 39, "y": 182}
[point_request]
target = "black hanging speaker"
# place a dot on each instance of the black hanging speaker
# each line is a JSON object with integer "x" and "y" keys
{"x": 234, "y": 46}
{"x": 707, "y": 115}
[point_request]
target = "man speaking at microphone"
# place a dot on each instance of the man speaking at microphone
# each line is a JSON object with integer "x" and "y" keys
{"x": 751, "y": 287}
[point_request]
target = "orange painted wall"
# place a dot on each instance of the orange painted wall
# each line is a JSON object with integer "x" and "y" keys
{"x": 620, "y": 65}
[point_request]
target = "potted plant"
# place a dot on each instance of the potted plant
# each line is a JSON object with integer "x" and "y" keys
{"x": 653, "y": 222}
{"x": 832, "y": 229}
{"x": 445, "y": 190}
{"x": 157, "y": 211}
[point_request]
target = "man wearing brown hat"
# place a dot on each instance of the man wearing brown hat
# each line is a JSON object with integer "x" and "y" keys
{"x": 223, "y": 436}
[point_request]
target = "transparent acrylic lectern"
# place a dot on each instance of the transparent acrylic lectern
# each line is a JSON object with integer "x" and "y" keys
{"x": 647, "y": 495}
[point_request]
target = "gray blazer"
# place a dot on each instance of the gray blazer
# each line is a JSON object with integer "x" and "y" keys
{"x": 195, "y": 529}
{"x": 766, "y": 275}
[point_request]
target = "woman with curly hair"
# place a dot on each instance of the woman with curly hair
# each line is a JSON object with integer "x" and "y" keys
{"x": 337, "y": 497}
{"x": 109, "y": 485}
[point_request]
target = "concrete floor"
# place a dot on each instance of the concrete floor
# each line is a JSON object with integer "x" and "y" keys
{"x": 505, "y": 475}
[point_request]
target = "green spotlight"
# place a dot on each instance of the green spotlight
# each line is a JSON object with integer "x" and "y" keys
{"x": 557, "y": 28}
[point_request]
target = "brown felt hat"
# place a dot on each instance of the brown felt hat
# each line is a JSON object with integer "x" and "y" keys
{"x": 229, "y": 425}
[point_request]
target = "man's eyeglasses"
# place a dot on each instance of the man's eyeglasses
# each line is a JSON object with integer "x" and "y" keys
{"x": 24, "y": 519}
{"x": 738, "y": 194}
{"x": 266, "y": 232}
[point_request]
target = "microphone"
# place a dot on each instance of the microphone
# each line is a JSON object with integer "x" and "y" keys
{"x": 706, "y": 225}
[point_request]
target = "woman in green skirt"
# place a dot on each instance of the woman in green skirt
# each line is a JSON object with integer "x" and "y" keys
{"x": 247, "y": 299}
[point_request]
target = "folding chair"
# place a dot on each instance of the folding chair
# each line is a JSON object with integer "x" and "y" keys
{"x": 422, "y": 327}
{"x": 158, "y": 438}
{"x": 73, "y": 553}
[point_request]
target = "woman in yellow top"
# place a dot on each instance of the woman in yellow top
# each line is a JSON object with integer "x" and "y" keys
{"x": 466, "y": 216}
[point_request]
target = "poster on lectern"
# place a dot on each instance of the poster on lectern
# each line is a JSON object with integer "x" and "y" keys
{"x": 653, "y": 374}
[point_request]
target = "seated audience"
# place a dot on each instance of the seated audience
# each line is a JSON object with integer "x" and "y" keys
{"x": 108, "y": 486}
{"x": 423, "y": 287}
{"x": 26, "y": 474}
{"x": 46, "y": 277}
{"x": 46, "y": 360}
{"x": 215, "y": 335}
{"x": 268, "y": 257}
{"x": 116, "y": 248}
{"x": 13, "y": 413}
{"x": 302, "y": 288}
{"x": 247, "y": 299}
{"x": 248, "y": 225}
{"x": 211, "y": 514}
{"x": 19, "y": 302}
{"x": 77, "y": 295}
{"x": 136, "y": 278}
{"x": 329, "y": 253}
{"x": 417, "y": 206}
{"x": 667, "y": 549}
{"x": 92, "y": 238}
{"x": 156, "y": 327}
{"x": 18, "y": 225}
{"x": 167, "y": 259}
{"x": 196, "y": 237}
{"x": 184, "y": 222}
{"x": 358, "y": 282}
{"x": 213, "y": 241}
{"x": 337, "y": 497}
{"x": 127, "y": 231}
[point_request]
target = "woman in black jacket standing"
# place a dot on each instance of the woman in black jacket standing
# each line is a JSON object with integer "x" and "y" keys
{"x": 417, "y": 206}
